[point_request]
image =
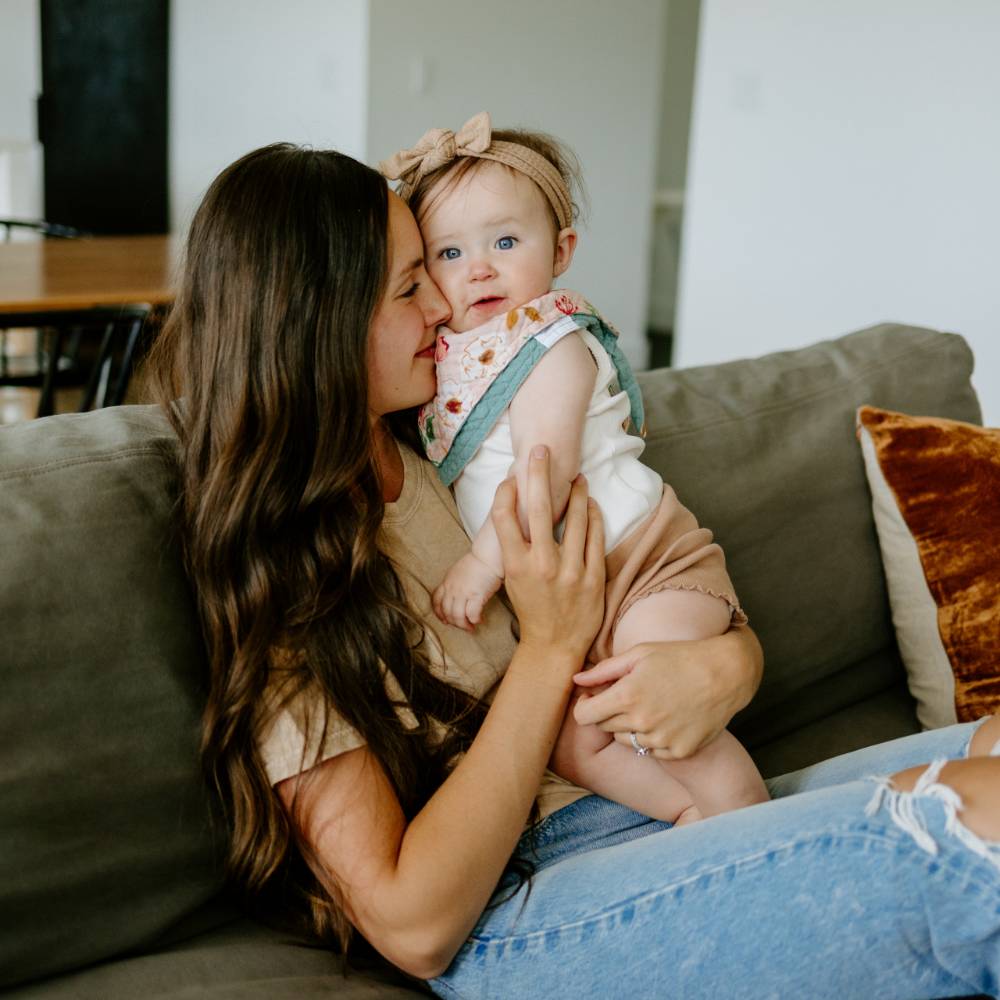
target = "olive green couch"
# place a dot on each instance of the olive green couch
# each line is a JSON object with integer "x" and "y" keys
{"x": 110, "y": 880}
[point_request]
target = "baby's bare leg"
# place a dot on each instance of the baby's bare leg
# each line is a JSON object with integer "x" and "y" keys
{"x": 592, "y": 759}
{"x": 986, "y": 739}
{"x": 721, "y": 776}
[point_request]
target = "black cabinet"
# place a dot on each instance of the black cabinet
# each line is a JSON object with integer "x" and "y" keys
{"x": 103, "y": 114}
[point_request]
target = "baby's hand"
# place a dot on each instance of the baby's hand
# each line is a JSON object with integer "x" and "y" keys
{"x": 463, "y": 593}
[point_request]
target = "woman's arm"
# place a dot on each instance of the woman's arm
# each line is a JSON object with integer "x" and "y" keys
{"x": 416, "y": 890}
{"x": 680, "y": 695}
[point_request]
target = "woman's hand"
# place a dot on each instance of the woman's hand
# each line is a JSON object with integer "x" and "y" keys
{"x": 557, "y": 590}
{"x": 675, "y": 696}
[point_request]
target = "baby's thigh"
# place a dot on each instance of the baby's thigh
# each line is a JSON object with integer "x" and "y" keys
{"x": 721, "y": 776}
{"x": 575, "y": 743}
{"x": 671, "y": 616}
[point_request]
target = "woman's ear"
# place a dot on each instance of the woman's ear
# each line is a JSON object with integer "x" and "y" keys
{"x": 565, "y": 247}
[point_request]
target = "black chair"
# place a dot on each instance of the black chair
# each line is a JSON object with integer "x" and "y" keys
{"x": 92, "y": 349}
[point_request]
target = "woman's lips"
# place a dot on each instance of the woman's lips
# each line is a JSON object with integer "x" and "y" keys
{"x": 427, "y": 352}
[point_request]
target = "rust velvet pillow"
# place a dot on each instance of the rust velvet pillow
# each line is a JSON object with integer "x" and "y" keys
{"x": 935, "y": 487}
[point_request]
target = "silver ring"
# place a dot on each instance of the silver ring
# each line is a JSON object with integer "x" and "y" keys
{"x": 640, "y": 750}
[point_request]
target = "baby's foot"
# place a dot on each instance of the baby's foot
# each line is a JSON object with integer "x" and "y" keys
{"x": 690, "y": 815}
{"x": 986, "y": 739}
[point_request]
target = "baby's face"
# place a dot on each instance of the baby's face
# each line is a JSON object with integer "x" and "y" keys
{"x": 490, "y": 244}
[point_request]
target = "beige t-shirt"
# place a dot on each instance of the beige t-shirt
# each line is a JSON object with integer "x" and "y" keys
{"x": 423, "y": 535}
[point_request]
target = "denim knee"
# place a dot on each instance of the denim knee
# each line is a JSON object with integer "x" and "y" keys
{"x": 904, "y": 811}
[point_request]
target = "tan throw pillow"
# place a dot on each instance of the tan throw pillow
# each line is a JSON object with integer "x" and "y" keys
{"x": 935, "y": 488}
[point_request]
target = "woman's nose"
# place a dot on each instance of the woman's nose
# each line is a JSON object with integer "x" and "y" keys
{"x": 433, "y": 304}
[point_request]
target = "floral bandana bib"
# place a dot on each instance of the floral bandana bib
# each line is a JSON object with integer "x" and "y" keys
{"x": 480, "y": 371}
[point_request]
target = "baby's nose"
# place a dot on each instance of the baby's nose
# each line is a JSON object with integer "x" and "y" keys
{"x": 481, "y": 268}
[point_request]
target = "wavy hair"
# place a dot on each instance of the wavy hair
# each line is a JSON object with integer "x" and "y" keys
{"x": 262, "y": 369}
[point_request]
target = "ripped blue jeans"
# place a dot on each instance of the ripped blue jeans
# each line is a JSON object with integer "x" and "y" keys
{"x": 841, "y": 888}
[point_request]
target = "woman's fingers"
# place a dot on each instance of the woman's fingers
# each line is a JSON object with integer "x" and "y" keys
{"x": 608, "y": 670}
{"x": 556, "y": 593}
{"x": 577, "y": 523}
{"x": 504, "y": 516}
{"x": 595, "y": 537}
{"x": 539, "y": 499}
{"x": 600, "y": 709}
{"x": 647, "y": 740}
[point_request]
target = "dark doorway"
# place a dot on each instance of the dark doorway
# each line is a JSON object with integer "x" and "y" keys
{"x": 102, "y": 115}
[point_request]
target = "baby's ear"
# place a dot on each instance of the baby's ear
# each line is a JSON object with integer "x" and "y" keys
{"x": 565, "y": 248}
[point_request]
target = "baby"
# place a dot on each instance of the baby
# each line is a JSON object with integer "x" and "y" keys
{"x": 521, "y": 364}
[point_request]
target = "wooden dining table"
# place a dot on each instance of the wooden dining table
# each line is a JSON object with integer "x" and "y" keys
{"x": 53, "y": 275}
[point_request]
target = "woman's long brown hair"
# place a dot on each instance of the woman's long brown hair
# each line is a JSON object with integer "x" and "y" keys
{"x": 262, "y": 367}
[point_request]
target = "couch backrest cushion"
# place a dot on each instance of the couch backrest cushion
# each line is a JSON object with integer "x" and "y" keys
{"x": 765, "y": 454}
{"x": 104, "y": 826}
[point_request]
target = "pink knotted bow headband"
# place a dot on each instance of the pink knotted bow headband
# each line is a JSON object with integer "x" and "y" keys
{"x": 440, "y": 146}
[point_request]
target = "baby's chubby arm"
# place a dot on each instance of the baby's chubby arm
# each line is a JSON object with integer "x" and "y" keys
{"x": 549, "y": 409}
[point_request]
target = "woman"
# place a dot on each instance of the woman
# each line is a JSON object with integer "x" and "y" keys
{"x": 379, "y": 773}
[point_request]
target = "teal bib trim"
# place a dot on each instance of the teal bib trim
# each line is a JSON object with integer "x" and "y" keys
{"x": 482, "y": 419}
{"x": 498, "y": 396}
{"x": 626, "y": 380}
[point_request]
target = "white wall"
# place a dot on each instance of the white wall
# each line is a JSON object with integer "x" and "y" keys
{"x": 844, "y": 169}
{"x": 20, "y": 83}
{"x": 676, "y": 92}
{"x": 585, "y": 70}
{"x": 244, "y": 73}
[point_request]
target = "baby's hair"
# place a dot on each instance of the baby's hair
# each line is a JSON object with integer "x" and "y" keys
{"x": 557, "y": 153}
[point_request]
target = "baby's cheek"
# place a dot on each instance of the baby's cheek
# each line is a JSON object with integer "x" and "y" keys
{"x": 437, "y": 272}
{"x": 448, "y": 286}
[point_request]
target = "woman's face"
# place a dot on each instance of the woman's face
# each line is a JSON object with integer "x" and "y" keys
{"x": 403, "y": 331}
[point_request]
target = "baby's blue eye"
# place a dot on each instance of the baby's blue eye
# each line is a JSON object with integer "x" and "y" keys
{"x": 451, "y": 253}
{"x": 505, "y": 243}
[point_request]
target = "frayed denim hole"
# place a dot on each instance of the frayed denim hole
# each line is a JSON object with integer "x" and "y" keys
{"x": 903, "y": 812}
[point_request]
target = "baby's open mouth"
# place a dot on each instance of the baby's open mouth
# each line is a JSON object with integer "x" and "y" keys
{"x": 488, "y": 300}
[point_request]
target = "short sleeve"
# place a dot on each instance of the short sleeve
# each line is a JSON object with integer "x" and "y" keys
{"x": 294, "y": 739}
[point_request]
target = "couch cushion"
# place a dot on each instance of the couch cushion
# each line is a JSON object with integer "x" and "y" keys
{"x": 764, "y": 453}
{"x": 104, "y": 828}
{"x": 241, "y": 961}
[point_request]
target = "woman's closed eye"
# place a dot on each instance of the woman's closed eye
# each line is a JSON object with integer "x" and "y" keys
{"x": 411, "y": 291}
